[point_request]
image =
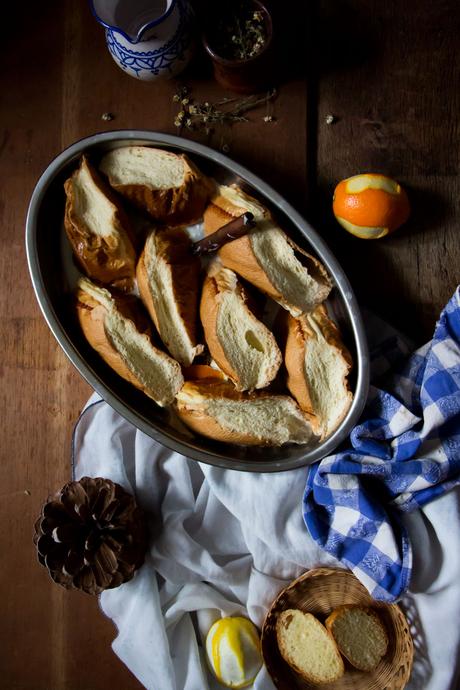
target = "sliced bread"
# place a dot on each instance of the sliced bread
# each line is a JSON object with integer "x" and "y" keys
{"x": 241, "y": 345}
{"x": 114, "y": 329}
{"x": 308, "y": 647}
{"x": 166, "y": 185}
{"x": 266, "y": 256}
{"x": 217, "y": 410}
{"x": 360, "y": 636}
{"x": 317, "y": 364}
{"x": 168, "y": 280}
{"x": 98, "y": 229}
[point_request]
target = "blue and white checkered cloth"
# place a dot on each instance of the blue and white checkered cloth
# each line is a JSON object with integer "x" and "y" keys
{"x": 403, "y": 454}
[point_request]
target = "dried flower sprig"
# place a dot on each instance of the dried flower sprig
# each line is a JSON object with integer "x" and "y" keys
{"x": 205, "y": 116}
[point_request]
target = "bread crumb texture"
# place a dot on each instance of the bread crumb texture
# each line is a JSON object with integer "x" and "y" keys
{"x": 170, "y": 288}
{"x": 300, "y": 280}
{"x": 307, "y": 646}
{"x": 301, "y": 291}
{"x": 273, "y": 419}
{"x": 360, "y": 636}
{"x": 326, "y": 371}
{"x": 128, "y": 351}
{"x": 220, "y": 409}
{"x": 142, "y": 165}
{"x": 248, "y": 345}
{"x": 159, "y": 374}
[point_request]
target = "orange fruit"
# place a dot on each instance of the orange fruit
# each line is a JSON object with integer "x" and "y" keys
{"x": 370, "y": 205}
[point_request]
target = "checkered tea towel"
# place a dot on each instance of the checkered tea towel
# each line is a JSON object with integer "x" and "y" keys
{"x": 403, "y": 454}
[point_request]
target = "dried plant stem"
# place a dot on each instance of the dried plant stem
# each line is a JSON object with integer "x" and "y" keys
{"x": 196, "y": 115}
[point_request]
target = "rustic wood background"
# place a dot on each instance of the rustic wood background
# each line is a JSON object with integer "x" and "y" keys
{"x": 388, "y": 72}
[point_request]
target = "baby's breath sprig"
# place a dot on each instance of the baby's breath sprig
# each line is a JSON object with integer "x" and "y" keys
{"x": 205, "y": 116}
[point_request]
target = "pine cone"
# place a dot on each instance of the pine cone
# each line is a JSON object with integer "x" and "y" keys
{"x": 91, "y": 536}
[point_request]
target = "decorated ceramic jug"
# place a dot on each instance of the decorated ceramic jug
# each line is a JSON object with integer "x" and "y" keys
{"x": 148, "y": 39}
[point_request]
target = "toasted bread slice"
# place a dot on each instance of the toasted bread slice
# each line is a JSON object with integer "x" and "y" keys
{"x": 266, "y": 256}
{"x": 308, "y": 647}
{"x": 217, "y": 410}
{"x": 168, "y": 280}
{"x": 241, "y": 345}
{"x": 98, "y": 229}
{"x": 113, "y": 328}
{"x": 318, "y": 364}
{"x": 166, "y": 185}
{"x": 359, "y": 634}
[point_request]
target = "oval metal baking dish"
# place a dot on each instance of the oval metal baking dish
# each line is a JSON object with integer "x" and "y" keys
{"x": 50, "y": 266}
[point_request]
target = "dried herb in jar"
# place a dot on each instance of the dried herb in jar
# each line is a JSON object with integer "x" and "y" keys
{"x": 239, "y": 32}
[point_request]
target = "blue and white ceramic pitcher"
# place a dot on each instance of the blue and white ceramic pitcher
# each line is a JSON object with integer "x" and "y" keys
{"x": 148, "y": 39}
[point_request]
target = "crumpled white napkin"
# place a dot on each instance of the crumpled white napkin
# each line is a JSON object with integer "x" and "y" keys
{"x": 225, "y": 543}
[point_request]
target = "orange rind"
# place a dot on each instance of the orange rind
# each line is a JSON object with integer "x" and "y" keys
{"x": 370, "y": 205}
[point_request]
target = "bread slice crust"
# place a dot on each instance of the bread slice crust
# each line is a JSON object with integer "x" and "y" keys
{"x": 248, "y": 255}
{"x": 94, "y": 306}
{"x": 317, "y": 632}
{"x": 183, "y": 202}
{"x": 317, "y": 330}
{"x": 109, "y": 258}
{"x": 359, "y": 655}
{"x": 243, "y": 348}
{"x": 168, "y": 280}
{"x": 195, "y": 405}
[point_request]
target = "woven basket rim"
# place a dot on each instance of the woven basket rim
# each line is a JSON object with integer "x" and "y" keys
{"x": 404, "y": 644}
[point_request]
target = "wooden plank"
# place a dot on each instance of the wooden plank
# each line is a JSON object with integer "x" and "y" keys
{"x": 390, "y": 75}
{"x": 51, "y": 638}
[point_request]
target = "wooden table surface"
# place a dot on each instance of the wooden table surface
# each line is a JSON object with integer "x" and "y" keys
{"x": 388, "y": 72}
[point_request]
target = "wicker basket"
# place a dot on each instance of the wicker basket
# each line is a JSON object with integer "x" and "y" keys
{"x": 318, "y": 592}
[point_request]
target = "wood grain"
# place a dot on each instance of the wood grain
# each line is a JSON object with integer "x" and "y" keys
{"x": 389, "y": 75}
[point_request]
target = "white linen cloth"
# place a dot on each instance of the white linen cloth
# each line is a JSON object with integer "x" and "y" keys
{"x": 226, "y": 542}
